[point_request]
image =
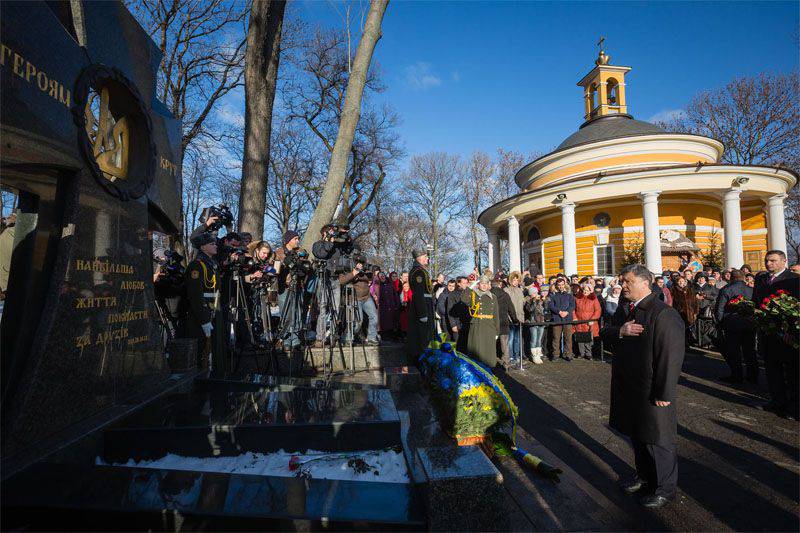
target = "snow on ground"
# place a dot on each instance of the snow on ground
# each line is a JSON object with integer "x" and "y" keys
{"x": 387, "y": 466}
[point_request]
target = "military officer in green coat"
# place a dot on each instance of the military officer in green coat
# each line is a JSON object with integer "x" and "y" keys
{"x": 421, "y": 325}
{"x": 484, "y": 322}
{"x": 200, "y": 304}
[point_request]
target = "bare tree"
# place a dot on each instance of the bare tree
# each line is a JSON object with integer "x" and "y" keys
{"x": 315, "y": 96}
{"x": 431, "y": 194}
{"x": 475, "y": 187}
{"x": 295, "y": 175}
{"x": 261, "y": 76}
{"x": 202, "y": 45}
{"x": 337, "y": 168}
{"x": 758, "y": 120}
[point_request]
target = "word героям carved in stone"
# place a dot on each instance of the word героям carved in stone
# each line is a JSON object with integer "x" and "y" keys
{"x": 27, "y": 71}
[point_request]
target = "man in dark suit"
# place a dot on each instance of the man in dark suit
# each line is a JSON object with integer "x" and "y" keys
{"x": 738, "y": 331}
{"x": 647, "y": 337}
{"x": 780, "y": 358}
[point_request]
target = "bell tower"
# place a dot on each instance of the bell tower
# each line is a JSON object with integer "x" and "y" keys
{"x": 604, "y": 87}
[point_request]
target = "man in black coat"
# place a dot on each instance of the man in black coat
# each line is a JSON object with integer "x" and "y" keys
{"x": 647, "y": 336}
{"x": 507, "y": 314}
{"x": 780, "y": 358}
{"x": 421, "y": 327}
{"x": 738, "y": 331}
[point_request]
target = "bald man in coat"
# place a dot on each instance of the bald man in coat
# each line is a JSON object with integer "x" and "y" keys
{"x": 648, "y": 340}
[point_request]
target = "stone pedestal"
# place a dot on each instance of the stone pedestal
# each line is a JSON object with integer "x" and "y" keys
{"x": 464, "y": 490}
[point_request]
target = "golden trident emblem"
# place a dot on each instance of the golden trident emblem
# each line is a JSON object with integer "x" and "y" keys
{"x": 110, "y": 138}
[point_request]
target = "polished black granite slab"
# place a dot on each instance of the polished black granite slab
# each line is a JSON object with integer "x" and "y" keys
{"x": 229, "y": 423}
{"x": 464, "y": 489}
{"x": 257, "y": 382}
{"x": 70, "y": 497}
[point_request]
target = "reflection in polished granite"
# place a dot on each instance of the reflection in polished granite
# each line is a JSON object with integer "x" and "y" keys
{"x": 256, "y": 382}
{"x": 194, "y": 493}
{"x": 263, "y": 408}
{"x": 230, "y": 423}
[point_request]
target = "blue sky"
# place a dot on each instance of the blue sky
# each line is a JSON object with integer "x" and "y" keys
{"x": 482, "y": 75}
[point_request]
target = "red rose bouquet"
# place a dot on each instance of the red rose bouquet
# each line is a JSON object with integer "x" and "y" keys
{"x": 779, "y": 314}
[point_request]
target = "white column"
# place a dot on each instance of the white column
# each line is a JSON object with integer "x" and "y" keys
{"x": 514, "y": 246}
{"x": 568, "y": 238}
{"x": 652, "y": 236}
{"x": 776, "y": 223}
{"x": 732, "y": 218}
{"x": 494, "y": 250}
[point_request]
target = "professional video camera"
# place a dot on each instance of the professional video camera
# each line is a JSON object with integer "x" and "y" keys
{"x": 298, "y": 263}
{"x": 223, "y": 214}
{"x": 171, "y": 268}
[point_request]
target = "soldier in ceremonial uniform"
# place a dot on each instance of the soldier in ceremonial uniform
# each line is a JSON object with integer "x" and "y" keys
{"x": 421, "y": 325}
{"x": 484, "y": 323}
{"x": 199, "y": 306}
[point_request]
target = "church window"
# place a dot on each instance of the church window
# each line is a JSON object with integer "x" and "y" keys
{"x": 593, "y": 95}
{"x": 604, "y": 258}
{"x": 533, "y": 235}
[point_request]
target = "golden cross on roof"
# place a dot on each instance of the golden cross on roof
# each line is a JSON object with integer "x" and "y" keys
{"x": 600, "y": 43}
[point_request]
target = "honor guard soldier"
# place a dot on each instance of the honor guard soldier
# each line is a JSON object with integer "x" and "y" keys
{"x": 421, "y": 325}
{"x": 201, "y": 302}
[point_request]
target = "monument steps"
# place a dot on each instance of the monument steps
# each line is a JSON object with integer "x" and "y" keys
{"x": 64, "y": 497}
{"x": 208, "y": 424}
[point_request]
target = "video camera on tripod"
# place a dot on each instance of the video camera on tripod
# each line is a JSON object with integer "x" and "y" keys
{"x": 298, "y": 263}
{"x": 171, "y": 267}
{"x": 223, "y": 214}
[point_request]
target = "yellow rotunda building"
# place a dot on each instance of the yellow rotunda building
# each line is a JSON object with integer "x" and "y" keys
{"x": 619, "y": 182}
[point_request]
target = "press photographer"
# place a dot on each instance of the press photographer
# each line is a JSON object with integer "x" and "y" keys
{"x": 330, "y": 252}
{"x": 359, "y": 279}
{"x": 168, "y": 287}
{"x": 213, "y": 218}
{"x": 294, "y": 270}
{"x": 262, "y": 280}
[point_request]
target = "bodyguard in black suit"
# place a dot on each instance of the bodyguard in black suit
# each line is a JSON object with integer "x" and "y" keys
{"x": 780, "y": 359}
{"x": 647, "y": 337}
{"x": 738, "y": 331}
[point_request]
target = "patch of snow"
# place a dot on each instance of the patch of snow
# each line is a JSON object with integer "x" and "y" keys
{"x": 386, "y": 466}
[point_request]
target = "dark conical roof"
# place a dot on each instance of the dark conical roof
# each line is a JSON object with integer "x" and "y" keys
{"x": 608, "y": 127}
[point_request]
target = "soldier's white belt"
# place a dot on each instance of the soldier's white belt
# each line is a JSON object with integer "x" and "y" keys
{"x": 428, "y": 296}
{"x": 209, "y": 294}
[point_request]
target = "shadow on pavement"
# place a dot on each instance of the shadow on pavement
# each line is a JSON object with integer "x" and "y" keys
{"x": 549, "y": 426}
{"x": 793, "y": 452}
{"x": 731, "y": 503}
{"x": 778, "y": 479}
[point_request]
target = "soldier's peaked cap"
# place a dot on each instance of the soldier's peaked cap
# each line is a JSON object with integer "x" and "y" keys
{"x": 198, "y": 241}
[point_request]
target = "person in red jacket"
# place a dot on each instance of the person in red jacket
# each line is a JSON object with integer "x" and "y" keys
{"x": 587, "y": 307}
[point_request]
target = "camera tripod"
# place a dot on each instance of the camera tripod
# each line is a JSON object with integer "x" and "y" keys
{"x": 262, "y": 324}
{"x": 238, "y": 313}
{"x": 166, "y": 324}
{"x": 333, "y": 315}
{"x": 293, "y": 324}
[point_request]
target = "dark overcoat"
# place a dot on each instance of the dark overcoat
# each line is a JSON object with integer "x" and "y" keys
{"x": 645, "y": 369}
{"x": 484, "y": 325}
{"x": 421, "y": 325}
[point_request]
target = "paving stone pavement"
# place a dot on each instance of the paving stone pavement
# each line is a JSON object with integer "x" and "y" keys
{"x": 739, "y": 466}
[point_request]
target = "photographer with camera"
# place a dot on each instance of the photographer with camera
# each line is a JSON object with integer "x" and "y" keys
{"x": 212, "y": 219}
{"x": 200, "y": 304}
{"x": 263, "y": 287}
{"x": 361, "y": 279}
{"x": 334, "y": 242}
{"x": 294, "y": 268}
{"x": 168, "y": 287}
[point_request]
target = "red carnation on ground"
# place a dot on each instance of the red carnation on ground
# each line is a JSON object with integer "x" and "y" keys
{"x": 765, "y": 301}
{"x": 782, "y": 292}
{"x": 294, "y": 463}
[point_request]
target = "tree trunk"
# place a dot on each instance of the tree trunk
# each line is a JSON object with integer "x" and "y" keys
{"x": 337, "y": 168}
{"x": 260, "y": 79}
